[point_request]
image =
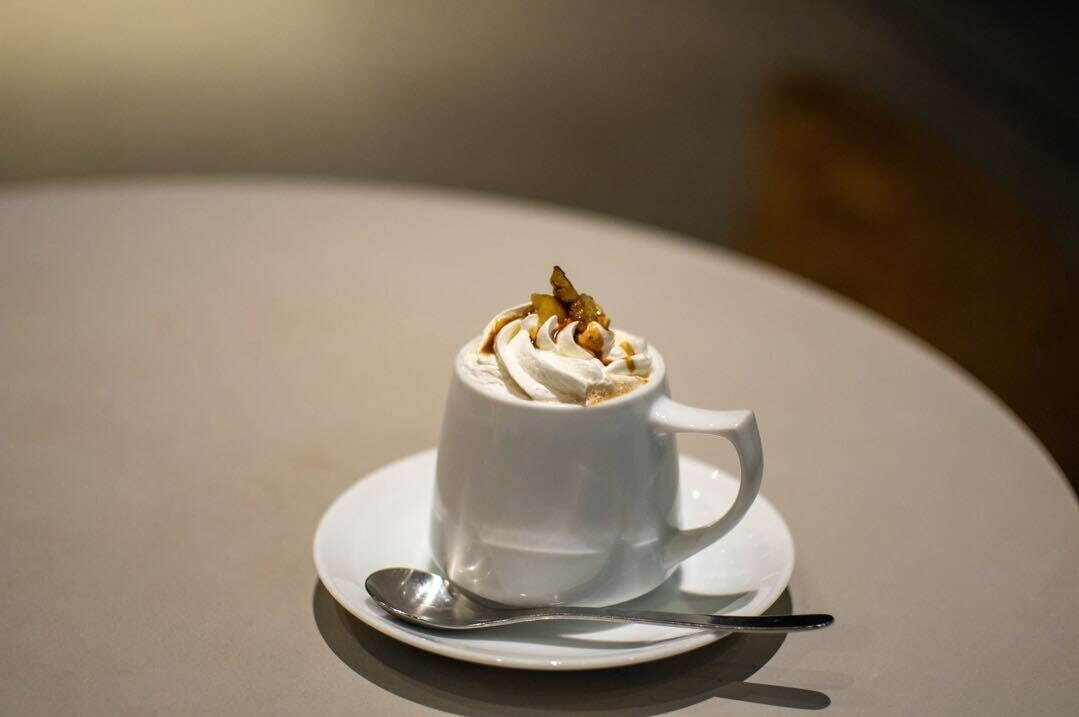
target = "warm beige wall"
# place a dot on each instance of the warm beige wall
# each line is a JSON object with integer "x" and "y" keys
{"x": 640, "y": 109}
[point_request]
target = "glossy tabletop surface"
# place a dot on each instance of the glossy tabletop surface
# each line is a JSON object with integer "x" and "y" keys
{"x": 190, "y": 372}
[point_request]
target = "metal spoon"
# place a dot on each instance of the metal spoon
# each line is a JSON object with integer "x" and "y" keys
{"x": 432, "y": 601}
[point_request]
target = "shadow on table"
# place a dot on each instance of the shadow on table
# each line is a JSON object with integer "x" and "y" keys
{"x": 717, "y": 670}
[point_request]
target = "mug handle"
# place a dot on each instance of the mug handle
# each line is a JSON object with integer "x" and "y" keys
{"x": 738, "y": 427}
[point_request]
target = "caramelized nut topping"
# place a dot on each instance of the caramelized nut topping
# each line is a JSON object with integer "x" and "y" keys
{"x": 547, "y": 306}
{"x": 567, "y": 304}
{"x": 585, "y": 310}
{"x": 591, "y": 338}
{"x": 563, "y": 287}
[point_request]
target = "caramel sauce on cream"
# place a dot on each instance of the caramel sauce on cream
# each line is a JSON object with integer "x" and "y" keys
{"x": 489, "y": 345}
{"x": 628, "y": 348}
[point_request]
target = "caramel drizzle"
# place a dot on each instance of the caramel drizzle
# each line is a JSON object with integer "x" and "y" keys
{"x": 489, "y": 345}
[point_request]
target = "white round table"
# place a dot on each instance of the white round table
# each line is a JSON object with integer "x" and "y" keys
{"x": 190, "y": 372}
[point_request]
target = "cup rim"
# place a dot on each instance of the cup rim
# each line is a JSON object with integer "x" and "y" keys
{"x": 655, "y": 384}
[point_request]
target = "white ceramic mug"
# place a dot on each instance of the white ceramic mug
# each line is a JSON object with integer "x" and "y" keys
{"x": 539, "y": 503}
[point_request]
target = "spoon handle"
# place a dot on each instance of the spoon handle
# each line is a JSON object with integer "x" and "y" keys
{"x": 732, "y": 623}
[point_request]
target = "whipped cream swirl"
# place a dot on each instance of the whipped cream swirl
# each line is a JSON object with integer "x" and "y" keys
{"x": 545, "y": 363}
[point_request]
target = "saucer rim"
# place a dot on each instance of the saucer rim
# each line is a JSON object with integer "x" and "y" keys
{"x": 616, "y": 658}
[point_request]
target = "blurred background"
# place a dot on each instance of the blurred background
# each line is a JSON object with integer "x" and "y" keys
{"x": 919, "y": 159}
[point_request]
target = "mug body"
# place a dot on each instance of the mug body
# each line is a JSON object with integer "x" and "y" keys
{"x": 540, "y": 504}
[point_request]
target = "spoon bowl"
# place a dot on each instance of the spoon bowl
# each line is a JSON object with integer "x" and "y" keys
{"x": 427, "y": 599}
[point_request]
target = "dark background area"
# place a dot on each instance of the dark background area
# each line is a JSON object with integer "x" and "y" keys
{"x": 918, "y": 158}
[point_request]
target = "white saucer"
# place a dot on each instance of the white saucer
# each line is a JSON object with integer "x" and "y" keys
{"x": 381, "y": 521}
